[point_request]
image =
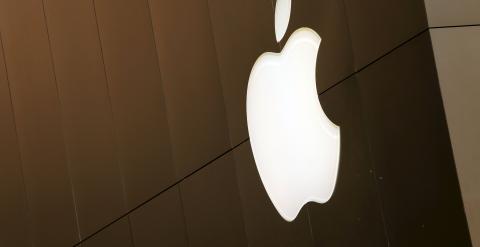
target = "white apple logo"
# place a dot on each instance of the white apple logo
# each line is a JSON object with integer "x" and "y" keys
{"x": 295, "y": 146}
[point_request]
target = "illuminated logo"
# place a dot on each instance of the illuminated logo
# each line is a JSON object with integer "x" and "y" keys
{"x": 295, "y": 146}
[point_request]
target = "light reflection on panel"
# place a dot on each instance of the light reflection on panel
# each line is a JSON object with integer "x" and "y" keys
{"x": 135, "y": 87}
{"x": 38, "y": 118}
{"x": 193, "y": 93}
{"x": 238, "y": 44}
{"x": 86, "y": 113}
{"x": 13, "y": 209}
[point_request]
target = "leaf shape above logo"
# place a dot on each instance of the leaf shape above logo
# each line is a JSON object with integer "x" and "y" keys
{"x": 282, "y": 17}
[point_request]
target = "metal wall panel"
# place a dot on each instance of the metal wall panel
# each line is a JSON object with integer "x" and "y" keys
{"x": 378, "y": 26}
{"x": 410, "y": 149}
{"x": 38, "y": 118}
{"x": 212, "y": 206}
{"x": 118, "y": 234}
{"x": 160, "y": 222}
{"x": 86, "y": 111}
{"x": 137, "y": 97}
{"x": 193, "y": 93}
{"x": 243, "y": 30}
{"x": 13, "y": 206}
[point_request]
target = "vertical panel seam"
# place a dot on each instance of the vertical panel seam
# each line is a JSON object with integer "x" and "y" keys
{"x": 310, "y": 226}
{"x": 67, "y": 159}
{"x": 162, "y": 79}
{"x": 375, "y": 179}
{"x": 349, "y": 32}
{"x": 112, "y": 116}
{"x": 132, "y": 240}
{"x": 184, "y": 216}
{"x": 227, "y": 122}
{"x": 218, "y": 76}
{"x": 21, "y": 168}
{"x": 377, "y": 188}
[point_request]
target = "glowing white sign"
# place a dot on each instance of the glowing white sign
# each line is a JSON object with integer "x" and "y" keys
{"x": 295, "y": 146}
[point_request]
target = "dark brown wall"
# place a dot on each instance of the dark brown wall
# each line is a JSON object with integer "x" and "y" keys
{"x": 123, "y": 124}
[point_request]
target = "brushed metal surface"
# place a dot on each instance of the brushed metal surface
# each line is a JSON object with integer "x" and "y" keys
{"x": 13, "y": 209}
{"x": 87, "y": 120}
{"x": 138, "y": 102}
{"x": 242, "y": 31}
{"x": 118, "y": 234}
{"x": 212, "y": 208}
{"x": 160, "y": 222}
{"x": 191, "y": 81}
{"x": 39, "y": 124}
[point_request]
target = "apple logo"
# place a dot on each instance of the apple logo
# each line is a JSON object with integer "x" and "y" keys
{"x": 295, "y": 146}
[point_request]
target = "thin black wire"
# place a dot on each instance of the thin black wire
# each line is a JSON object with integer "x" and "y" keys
{"x": 247, "y": 139}
{"x": 159, "y": 193}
